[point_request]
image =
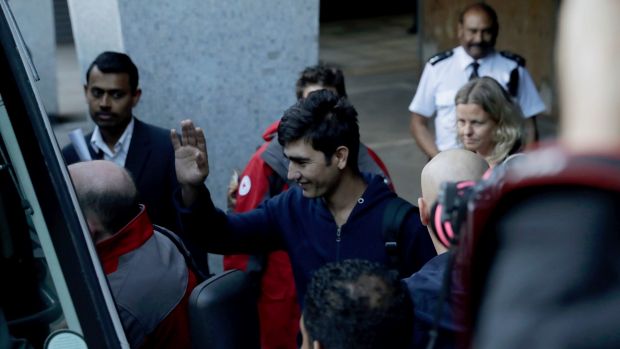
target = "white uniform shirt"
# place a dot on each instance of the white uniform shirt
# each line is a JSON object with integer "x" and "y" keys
{"x": 440, "y": 83}
{"x": 119, "y": 155}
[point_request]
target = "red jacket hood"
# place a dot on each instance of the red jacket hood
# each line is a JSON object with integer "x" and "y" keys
{"x": 271, "y": 131}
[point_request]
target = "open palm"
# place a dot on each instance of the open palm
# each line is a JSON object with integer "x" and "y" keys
{"x": 190, "y": 154}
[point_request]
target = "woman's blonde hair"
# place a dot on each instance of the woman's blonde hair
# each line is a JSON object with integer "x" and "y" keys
{"x": 491, "y": 96}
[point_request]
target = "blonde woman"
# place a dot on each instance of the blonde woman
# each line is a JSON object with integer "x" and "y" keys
{"x": 488, "y": 121}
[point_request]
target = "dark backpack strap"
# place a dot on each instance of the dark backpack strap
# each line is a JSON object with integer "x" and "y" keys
{"x": 393, "y": 217}
{"x": 189, "y": 259}
{"x": 513, "y": 82}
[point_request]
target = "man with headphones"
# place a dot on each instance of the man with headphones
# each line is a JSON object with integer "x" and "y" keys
{"x": 427, "y": 285}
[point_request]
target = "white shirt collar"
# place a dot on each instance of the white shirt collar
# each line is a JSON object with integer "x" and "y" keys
{"x": 465, "y": 60}
{"x": 121, "y": 148}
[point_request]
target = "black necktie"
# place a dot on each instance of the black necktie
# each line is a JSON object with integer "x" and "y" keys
{"x": 474, "y": 70}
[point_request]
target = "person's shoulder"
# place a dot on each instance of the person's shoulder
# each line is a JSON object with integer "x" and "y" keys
{"x": 513, "y": 57}
{"x": 140, "y": 125}
{"x": 410, "y": 213}
{"x": 154, "y": 136}
{"x": 369, "y": 161}
{"x": 376, "y": 184}
{"x": 378, "y": 194}
{"x": 431, "y": 272}
{"x": 273, "y": 155}
{"x": 68, "y": 151}
{"x": 271, "y": 132}
{"x": 440, "y": 57}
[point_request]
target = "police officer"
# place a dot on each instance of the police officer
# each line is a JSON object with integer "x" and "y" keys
{"x": 446, "y": 72}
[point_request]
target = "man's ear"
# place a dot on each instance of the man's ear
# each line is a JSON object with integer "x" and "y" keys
{"x": 425, "y": 215}
{"x": 136, "y": 97}
{"x": 425, "y": 218}
{"x": 97, "y": 231}
{"x": 342, "y": 156}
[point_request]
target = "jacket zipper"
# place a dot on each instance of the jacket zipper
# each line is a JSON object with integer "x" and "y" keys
{"x": 338, "y": 238}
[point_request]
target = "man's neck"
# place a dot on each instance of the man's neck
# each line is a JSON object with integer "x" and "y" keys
{"x": 344, "y": 198}
{"x": 111, "y": 135}
{"x": 479, "y": 59}
{"x": 439, "y": 248}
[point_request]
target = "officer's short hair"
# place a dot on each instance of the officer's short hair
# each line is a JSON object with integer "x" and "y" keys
{"x": 481, "y": 6}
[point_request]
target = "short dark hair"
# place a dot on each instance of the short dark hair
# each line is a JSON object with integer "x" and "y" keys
{"x": 116, "y": 62}
{"x": 114, "y": 207}
{"x": 481, "y": 6}
{"x": 357, "y": 304}
{"x": 321, "y": 74}
{"x": 324, "y": 120}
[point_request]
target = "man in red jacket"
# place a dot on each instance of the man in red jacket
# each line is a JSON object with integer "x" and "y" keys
{"x": 148, "y": 275}
{"x": 265, "y": 176}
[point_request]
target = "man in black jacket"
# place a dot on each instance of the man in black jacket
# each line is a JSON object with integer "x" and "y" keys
{"x": 112, "y": 91}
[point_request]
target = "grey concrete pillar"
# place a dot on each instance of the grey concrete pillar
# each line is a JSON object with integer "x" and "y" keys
{"x": 229, "y": 65}
{"x": 36, "y": 24}
{"x": 96, "y": 28}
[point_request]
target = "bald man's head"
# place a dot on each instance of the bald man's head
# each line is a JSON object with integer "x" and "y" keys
{"x": 448, "y": 166}
{"x": 451, "y": 166}
{"x": 107, "y": 195}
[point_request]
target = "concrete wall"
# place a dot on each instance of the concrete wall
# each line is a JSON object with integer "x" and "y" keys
{"x": 527, "y": 28}
{"x": 96, "y": 28}
{"x": 36, "y": 24}
{"x": 229, "y": 65}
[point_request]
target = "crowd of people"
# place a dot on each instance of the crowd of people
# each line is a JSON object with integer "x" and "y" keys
{"x": 308, "y": 213}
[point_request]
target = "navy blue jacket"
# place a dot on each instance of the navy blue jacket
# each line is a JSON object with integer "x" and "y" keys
{"x": 306, "y": 229}
{"x": 424, "y": 288}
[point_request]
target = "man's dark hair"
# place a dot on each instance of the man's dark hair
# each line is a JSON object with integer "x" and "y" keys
{"x": 321, "y": 74}
{"x": 357, "y": 304}
{"x": 326, "y": 122}
{"x": 114, "y": 208}
{"x": 116, "y": 62}
{"x": 481, "y": 6}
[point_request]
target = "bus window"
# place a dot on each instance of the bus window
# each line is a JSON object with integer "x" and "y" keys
{"x": 51, "y": 282}
{"x": 28, "y": 298}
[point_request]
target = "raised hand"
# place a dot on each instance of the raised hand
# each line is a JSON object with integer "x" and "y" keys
{"x": 190, "y": 158}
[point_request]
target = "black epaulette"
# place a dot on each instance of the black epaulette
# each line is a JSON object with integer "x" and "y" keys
{"x": 440, "y": 57}
{"x": 513, "y": 56}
